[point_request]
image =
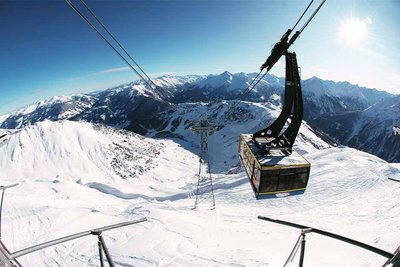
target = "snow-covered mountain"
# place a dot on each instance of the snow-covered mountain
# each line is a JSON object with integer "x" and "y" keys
{"x": 369, "y": 130}
{"x": 82, "y": 152}
{"x": 123, "y": 105}
{"x": 323, "y": 97}
{"x": 55, "y": 108}
{"x": 118, "y": 107}
{"x": 136, "y": 108}
{"x": 76, "y": 176}
{"x": 231, "y": 119}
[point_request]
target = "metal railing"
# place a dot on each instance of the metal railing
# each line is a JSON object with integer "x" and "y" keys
{"x": 393, "y": 258}
{"x": 8, "y": 259}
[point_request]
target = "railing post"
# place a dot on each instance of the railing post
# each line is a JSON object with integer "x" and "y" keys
{"x": 3, "y": 188}
{"x": 100, "y": 253}
{"x": 302, "y": 249}
{"x": 106, "y": 252}
{"x": 1, "y": 209}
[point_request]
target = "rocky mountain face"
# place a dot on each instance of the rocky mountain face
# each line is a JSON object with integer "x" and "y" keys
{"x": 351, "y": 115}
{"x": 121, "y": 107}
{"x": 368, "y": 130}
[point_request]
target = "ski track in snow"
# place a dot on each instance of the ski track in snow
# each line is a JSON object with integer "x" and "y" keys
{"x": 348, "y": 193}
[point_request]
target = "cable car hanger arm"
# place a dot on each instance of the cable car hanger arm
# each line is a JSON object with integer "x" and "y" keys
{"x": 284, "y": 44}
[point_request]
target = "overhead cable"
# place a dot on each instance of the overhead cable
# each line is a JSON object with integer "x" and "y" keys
{"x": 305, "y": 11}
{"x": 119, "y": 44}
{"x": 106, "y": 41}
{"x": 256, "y": 80}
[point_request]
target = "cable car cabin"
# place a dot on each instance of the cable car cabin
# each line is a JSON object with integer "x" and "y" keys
{"x": 273, "y": 175}
{"x": 273, "y": 167}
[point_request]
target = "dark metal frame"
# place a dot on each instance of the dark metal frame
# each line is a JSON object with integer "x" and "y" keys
{"x": 249, "y": 155}
{"x": 98, "y": 232}
{"x": 271, "y": 137}
{"x": 395, "y": 180}
{"x": 3, "y": 188}
{"x": 274, "y": 137}
{"x": 10, "y": 259}
{"x": 393, "y": 258}
{"x": 301, "y": 243}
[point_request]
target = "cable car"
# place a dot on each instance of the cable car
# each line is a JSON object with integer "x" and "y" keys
{"x": 276, "y": 174}
{"x": 272, "y": 166}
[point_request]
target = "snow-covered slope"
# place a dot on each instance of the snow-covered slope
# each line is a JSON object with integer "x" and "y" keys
{"x": 348, "y": 193}
{"x": 231, "y": 118}
{"x": 78, "y": 151}
{"x": 3, "y": 118}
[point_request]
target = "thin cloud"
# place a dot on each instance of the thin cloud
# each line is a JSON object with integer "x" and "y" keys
{"x": 111, "y": 70}
{"x": 102, "y": 72}
{"x": 320, "y": 70}
{"x": 394, "y": 77}
{"x": 35, "y": 91}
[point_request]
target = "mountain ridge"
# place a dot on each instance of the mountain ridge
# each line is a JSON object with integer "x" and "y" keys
{"x": 131, "y": 106}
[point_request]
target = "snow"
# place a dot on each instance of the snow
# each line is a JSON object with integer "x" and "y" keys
{"x": 55, "y": 108}
{"x": 276, "y": 157}
{"x": 77, "y": 151}
{"x": 68, "y": 184}
{"x": 218, "y": 80}
{"x": 4, "y": 117}
{"x": 169, "y": 81}
{"x": 388, "y": 108}
{"x": 29, "y": 109}
{"x": 319, "y": 88}
{"x": 235, "y": 81}
{"x": 33, "y": 107}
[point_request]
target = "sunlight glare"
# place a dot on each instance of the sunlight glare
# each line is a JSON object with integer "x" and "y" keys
{"x": 353, "y": 31}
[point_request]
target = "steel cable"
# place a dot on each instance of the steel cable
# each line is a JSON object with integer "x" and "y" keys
{"x": 312, "y": 16}
{"x": 302, "y": 14}
{"x": 106, "y": 41}
{"x": 112, "y": 36}
{"x": 255, "y": 82}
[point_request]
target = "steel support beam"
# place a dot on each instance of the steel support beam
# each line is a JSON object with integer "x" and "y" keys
{"x": 32, "y": 249}
{"x": 3, "y": 188}
{"x": 332, "y": 235}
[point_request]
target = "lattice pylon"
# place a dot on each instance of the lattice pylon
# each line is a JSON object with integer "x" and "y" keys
{"x": 205, "y": 188}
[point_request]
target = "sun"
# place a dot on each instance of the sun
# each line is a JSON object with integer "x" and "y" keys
{"x": 353, "y": 31}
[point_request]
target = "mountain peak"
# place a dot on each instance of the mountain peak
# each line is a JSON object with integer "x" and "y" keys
{"x": 226, "y": 74}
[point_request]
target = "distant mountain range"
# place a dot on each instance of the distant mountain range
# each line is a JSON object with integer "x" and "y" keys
{"x": 350, "y": 115}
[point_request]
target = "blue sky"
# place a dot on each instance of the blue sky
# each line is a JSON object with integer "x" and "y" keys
{"x": 47, "y": 50}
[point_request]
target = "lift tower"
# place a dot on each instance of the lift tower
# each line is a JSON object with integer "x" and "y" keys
{"x": 205, "y": 189}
